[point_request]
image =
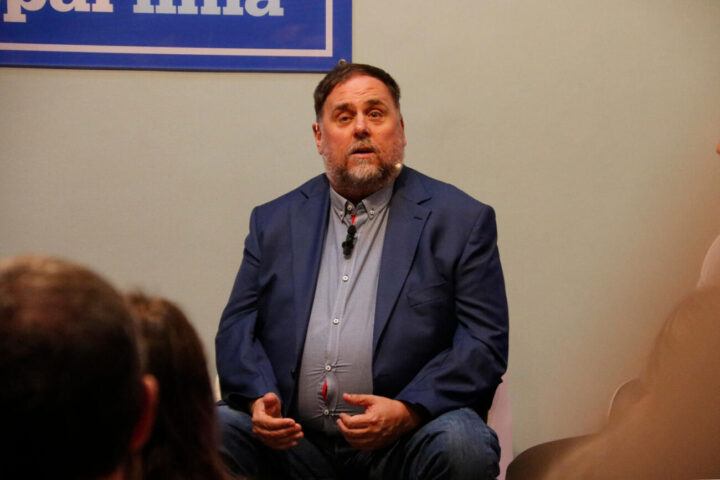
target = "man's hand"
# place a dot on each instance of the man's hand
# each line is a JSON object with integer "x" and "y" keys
{"x": 383, "y": 422}
{"x": 270, "y": 427}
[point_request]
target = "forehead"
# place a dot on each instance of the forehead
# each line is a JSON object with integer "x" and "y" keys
{"x": 358, "y": 90}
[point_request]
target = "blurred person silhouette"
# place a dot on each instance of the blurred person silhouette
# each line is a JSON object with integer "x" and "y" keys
{"x": 710, "y": 273}
{"x": 73, "y": 401}
{"x": 672, "y": 428}
{"x": 664, "y": 424}
{"x": 184, "y": 443}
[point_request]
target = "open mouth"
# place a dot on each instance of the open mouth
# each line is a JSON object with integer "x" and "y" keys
{"x": 362, "y": 150}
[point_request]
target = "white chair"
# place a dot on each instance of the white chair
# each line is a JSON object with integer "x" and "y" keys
{"x": 500, "y": 420}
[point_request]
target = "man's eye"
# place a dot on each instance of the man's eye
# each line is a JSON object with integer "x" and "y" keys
{"x": 375, "y": 114}
{"x": 343, "y": 118}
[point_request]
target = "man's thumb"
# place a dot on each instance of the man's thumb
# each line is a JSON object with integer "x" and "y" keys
{"x": 272, "y": 404}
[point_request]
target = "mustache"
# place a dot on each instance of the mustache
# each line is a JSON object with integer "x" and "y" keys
{"x": 362, "y": 145}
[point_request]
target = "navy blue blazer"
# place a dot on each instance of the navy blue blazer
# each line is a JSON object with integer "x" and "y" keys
{"x": 440, "y": 337}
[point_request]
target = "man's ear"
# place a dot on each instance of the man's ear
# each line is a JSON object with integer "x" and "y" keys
{"x": 146, "y": 421}
{"x": 402, "y": 125}
{"x": 318, "y": 135}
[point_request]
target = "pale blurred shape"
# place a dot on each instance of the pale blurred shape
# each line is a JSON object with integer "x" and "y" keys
{"x": 710, "y": 273}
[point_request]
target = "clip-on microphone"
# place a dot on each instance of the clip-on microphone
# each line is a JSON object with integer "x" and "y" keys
{"x": 349, "y": 242}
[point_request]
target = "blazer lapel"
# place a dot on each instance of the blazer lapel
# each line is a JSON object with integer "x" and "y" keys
{"x": 405, "y": 224}
{"x": 308, "y": 225}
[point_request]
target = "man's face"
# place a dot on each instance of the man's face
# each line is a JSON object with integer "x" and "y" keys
{"x": 361, "y": 136}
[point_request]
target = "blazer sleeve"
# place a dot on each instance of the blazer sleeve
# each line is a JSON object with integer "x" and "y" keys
{"x": 468, "y": 371}
{"x": 243, "y": 366}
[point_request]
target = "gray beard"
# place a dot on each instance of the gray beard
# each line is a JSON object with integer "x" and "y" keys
{"x": 361, "y": 184}
{"x": 356, "y": 187}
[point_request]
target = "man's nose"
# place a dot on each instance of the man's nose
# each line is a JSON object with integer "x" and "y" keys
{"x": 361, "y": 126}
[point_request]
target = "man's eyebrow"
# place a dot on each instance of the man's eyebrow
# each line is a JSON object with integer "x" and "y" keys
{"x": 374, "y": 101}
{"x": 342, "y": 107}
{"x": 347, "y": 106}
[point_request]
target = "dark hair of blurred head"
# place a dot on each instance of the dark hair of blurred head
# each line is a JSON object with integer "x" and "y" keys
{"x": 185, "y": 439}
{"x": 343, "y": 72}
{"x": 70, "y": 387}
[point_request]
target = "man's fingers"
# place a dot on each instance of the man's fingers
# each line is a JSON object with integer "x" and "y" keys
{"x": 280, "y": 444}
{"x": 278, "y": 432}
{"x": 279, "y": 439}
{"x": 278, "y": 435}
{"x": 286, "y": 443}
{"x": 260, "y": 417}
{"x": 270, "y": 427}
{"x": 356, "y": 421}
{"x": 350, "y": 432}
{"x": 271, "y": 404}
{"x": 270, "y": 423}
{"x": 275, "y": 427}
{"x": 360, "y": 400}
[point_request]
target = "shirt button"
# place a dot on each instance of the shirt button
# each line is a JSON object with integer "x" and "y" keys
{"x": 336, "y": 321}
{"x": 350, "y": 208}
{"x": 372, "y": 212}
{"x": 328, "y": 368}
{"x": 345, "y": 278}
{"x": 326, "y": 412}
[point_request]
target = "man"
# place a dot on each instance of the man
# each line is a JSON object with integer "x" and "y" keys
{"x": 73, "y": 404}
{"x": 367, "y": 328}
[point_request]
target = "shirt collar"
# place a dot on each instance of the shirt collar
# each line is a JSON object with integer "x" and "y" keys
{"x": 373, "y": 204}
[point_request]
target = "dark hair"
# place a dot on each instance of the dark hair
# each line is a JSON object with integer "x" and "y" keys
{"x": 343, "y": 72}
{"x": 184, "y": 443}
{"x": 70, "y": 384}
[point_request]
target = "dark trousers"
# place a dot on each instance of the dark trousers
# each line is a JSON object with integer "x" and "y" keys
{"x": 455, "y": 445}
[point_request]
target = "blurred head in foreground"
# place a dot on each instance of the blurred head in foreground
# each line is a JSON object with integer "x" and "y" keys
{"x": 671, "y": 431}
{"x": 73, "y": 402}
{"x": 185, "y": 440}
{"x": 710, "y": 273}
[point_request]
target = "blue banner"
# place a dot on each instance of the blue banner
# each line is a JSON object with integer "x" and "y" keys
{"x": 285, "y": 35}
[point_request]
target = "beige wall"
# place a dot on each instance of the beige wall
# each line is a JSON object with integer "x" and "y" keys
{"x": 589, "y": 125}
